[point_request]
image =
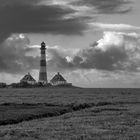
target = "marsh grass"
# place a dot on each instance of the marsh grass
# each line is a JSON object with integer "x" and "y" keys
{"x": 13, "y": 113}
{"x": 82, "y": 114}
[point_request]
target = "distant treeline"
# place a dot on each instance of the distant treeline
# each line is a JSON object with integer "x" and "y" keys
{"x": 3, "y": 85}
{"x": 27, "y": 85}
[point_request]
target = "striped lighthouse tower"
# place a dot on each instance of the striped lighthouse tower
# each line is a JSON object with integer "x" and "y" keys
{"x": 43, "y": 68}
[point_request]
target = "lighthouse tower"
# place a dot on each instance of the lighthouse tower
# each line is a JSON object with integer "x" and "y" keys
{"x": 43, "y": 68}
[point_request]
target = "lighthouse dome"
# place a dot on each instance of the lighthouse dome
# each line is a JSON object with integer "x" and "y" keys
{"x": 43, "y": 45}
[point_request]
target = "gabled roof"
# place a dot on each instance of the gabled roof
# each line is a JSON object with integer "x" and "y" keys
{"x": 28, "y": 77}
{"x": 58, "y": 77}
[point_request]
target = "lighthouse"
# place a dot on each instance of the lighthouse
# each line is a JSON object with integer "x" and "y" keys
{"x": 43, "y": 65}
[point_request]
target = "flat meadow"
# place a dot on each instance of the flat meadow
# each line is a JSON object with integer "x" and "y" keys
{"x": 69, "y": 114}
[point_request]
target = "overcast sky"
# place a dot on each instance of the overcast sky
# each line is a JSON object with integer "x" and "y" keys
{"x": 92, "y": 43}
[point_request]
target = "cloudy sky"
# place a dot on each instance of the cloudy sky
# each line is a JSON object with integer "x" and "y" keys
{"x": 93, "y": 43}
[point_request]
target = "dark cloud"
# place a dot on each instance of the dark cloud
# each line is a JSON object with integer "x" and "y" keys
{"x": 32, "y": 16}
{"x": 57, "y": 60}
{"x": 18, "y": 2}
{"x": 98, "y": 59}
{"x": 91, "y": 58}
{"x": 107, "y": 6}
{"x": 114, "y": 52}
{"x": 29, "y": 16}
{"x": 13, "y": 58}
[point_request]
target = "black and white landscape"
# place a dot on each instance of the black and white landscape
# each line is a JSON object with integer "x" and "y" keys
{"x": 69, "y": 70}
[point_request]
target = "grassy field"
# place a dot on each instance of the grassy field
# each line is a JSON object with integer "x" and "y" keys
{"x": 69, "y": 114}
